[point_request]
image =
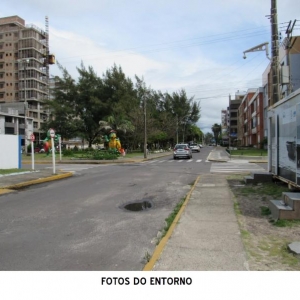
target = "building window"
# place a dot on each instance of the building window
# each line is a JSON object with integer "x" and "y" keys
{"x": 8, "y": 119}
{"x": 9, "y": 130}
{"x": 253, "y": 122}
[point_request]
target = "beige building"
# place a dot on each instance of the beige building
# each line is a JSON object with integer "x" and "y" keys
{"x": 24, "y": 68}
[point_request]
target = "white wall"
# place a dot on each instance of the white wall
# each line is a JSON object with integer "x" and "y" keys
{"x": 10, "y": 151}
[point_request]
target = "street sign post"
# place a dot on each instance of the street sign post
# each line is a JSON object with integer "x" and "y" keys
{"x": 52, "y": 135}
{"x": 32, "y": 138}
{"x": 59, "y": 143}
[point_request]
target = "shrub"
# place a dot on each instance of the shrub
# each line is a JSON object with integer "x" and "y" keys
{"x": 100, "y": 155}
{"x": 67, "y": 152}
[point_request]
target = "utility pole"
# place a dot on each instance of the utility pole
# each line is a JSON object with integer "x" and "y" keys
{"x": 275, "y": 52}
{"x": 24, "y": 66}
{"x": 145, "y": 128}
{"x": 177, "y": 121}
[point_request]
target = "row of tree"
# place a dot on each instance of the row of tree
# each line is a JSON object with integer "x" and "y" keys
{"x": 90, "y": 106}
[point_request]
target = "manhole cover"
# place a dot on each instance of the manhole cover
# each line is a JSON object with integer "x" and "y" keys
{"x": 138, "y": 206}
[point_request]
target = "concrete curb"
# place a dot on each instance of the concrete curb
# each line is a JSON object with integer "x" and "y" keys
{"x": 158, "y": 250}
{"x": 217, "y": 160}
{"x": 5, "y": 191}
{"x": 13, "y": 187}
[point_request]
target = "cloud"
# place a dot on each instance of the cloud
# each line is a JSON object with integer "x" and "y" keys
{"x": 192, "y": 44}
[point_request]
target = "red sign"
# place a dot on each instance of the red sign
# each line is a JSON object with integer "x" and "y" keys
{"x": 32, "y": 137}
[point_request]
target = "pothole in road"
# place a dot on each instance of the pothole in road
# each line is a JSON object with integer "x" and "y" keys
{"x": 138, "y": 205}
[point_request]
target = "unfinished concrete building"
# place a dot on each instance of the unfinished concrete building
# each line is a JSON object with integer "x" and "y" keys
{"x": 24, "y": 69}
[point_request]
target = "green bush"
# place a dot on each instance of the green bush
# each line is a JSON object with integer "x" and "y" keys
{"x": 67, "y": 152}
{"x": 101, "y": 155}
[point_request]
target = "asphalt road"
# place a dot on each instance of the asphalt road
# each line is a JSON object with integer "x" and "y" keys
{"x": 81, "y": 224}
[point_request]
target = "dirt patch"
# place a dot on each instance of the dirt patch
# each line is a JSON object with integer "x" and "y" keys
{"x": 264, "y": 239}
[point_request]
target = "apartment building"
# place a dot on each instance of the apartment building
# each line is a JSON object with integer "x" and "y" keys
{"x": 289, "y": 70}
{"x": 24, "y": 69}
{"x": 251, "y": 118}
{"x": 233, "y": 107}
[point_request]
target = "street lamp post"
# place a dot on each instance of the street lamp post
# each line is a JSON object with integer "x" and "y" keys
{"x": 25, "y": 62}
{"x": 177, "y": 127}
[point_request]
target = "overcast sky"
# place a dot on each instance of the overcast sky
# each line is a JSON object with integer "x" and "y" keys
{"x": 192, "y": 44}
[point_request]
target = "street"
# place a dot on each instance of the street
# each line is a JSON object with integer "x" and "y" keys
{"x": 80, "y": 223}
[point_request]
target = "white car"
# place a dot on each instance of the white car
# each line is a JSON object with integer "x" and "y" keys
{"x": 182, "y": 150}
{"x": 195, "y": 147}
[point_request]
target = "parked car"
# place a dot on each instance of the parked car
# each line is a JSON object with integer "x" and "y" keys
{"x": 182, "y": 150}
{"x": 195, "y": 147}
{"x": 200, "y": 145}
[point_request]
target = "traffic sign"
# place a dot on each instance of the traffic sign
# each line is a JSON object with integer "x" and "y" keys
{"x": 32, "y": 137}
{"x": 52, "y": 132}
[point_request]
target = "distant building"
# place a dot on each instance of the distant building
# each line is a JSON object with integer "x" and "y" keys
{"x": 251, "y": 118}
{"x": 24, "y": 68}
{"x": 12, "y": 123}
{"x": 233, "y": 117}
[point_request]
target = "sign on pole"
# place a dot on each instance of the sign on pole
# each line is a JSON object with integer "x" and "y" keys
{"x": 52, "y": 135}
{"x": 32, "y": 138}
{"x": 52, "y": 132}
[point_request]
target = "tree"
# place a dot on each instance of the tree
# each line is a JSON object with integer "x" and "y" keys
{"x": 62, "y": 108}
{"x": 123, "y": 105}
{"x": 216, "y": 129}
{"x": 208, "y": 138}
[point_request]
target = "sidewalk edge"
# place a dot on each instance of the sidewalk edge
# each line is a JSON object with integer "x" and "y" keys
{"x": 159, "y": 248}
{"x": 37, "y": 181}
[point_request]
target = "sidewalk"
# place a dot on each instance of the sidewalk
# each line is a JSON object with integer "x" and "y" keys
{"x": 220, "y": 155}
{"x": 205, "y": 235}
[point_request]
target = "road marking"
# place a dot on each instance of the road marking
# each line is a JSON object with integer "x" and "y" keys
{"x": 234, "y": 167}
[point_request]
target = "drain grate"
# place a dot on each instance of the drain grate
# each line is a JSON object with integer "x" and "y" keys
{"x": 138, "y": 206}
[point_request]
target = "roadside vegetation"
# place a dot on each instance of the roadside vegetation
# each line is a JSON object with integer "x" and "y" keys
{"x": 266, "y": 240}
{"x": 88, "y": 108}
